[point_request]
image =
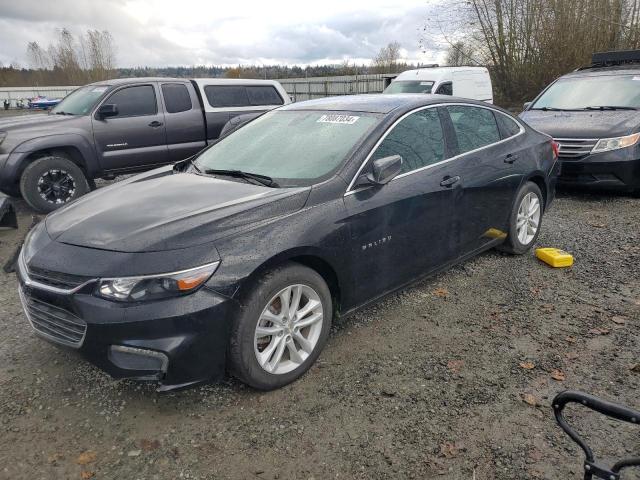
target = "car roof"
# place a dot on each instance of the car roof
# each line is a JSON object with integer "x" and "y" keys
{"x": 234, "y": 81}
{"x": 121, "y": 81}
{"x": 377, "y": 103}
{"x": 601, "y": 71}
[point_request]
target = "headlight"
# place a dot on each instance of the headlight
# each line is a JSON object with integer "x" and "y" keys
{"x": 153, "y": 287}
{"x": 606, "y": 144}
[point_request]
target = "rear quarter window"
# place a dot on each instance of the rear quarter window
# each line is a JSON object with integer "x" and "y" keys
{"x": 176, "y": 97}
{"x": 508, "y": 126}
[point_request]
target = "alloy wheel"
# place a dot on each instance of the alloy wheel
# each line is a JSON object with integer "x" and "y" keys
{"x": 288, "y": 329}
{"x": 528, "y": 218}
{"x": 56, "y": 186}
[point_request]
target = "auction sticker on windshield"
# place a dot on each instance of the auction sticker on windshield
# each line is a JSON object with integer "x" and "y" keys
{"x": 346, "y": 119}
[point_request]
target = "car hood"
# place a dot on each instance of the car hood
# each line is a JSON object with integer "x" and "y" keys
{"x": 583, "y": 124}
{"x": 34, "y": 121}
{"x": 162, "y": 210}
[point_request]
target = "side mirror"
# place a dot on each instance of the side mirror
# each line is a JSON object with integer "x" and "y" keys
{"x": 526, "y": 106}
{"x": 383, "y": 170}
{"x": 107, "y": 110}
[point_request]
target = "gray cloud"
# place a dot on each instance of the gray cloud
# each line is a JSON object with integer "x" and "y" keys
{"x": 330, "y": 38}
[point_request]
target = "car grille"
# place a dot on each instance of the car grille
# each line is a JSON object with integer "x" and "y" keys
{"x": 55, "y": 323}
{"x": 575, "y": 148}
{"x": 55, "y": 279}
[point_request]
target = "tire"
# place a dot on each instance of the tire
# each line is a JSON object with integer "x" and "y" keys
{"x": 57, "y": 170}
{"x": 12, "y": 191}
{"x": 518, "y": 244}
{"x": 245, "y": 346}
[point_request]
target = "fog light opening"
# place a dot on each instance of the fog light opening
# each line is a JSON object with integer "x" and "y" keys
{"x": 138, "y": 359}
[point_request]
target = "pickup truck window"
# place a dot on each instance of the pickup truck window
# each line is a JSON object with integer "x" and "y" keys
{"x": 241, "y": 96}
{"x": 263, "y": 95}
{"x": 292, "y": 147}
{"x": 134, "y": 101}
{"x": 176, "y": 97}
{"x": 80, "y": 101}
{"x": 226, "y": 96}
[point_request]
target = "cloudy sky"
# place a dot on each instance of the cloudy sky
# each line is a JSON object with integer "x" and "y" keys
{"x": 209, "y": 32}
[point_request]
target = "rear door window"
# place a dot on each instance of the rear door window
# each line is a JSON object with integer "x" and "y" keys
{"x": 176, "y": 97}
{"x": 475, "y": 127}
{"x": 226, "y": 96}
{"x": 263, "y": 95}
{"x": 134, "y": 101}
{"x": 418, "y": 139}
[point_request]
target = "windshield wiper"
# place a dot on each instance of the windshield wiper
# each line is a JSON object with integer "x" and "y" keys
{"x": 551, "y": 109}
{"x": 63, "y": 113}
{"x": 261, "y": 179}
{"x": 610, "y": 107}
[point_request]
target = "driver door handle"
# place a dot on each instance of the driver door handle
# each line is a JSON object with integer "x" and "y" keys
{"x": 449, "y": 181}
{"x": 155, "y": 124}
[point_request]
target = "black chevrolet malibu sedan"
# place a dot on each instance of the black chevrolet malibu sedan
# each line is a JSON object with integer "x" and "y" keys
{"x": 240, "y": 258}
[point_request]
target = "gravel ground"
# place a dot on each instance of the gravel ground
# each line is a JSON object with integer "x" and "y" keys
{"x": 429, "y": 382}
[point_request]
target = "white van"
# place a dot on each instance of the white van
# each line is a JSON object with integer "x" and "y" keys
{"x": 467, "y": 82}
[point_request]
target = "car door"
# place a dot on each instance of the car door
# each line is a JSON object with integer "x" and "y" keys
{"x": 489, "y": 175}
{"x": 184, "y": 123}
{"x": 135, "y": 137}
{"x": 402, "y": 230}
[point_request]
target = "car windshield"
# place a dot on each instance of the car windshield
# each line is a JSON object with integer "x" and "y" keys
{"x": 80, "y": 101}
{"x": 413, "y": 86}
{"x": 579, "y": 93}
{"x": 291, "y": 147}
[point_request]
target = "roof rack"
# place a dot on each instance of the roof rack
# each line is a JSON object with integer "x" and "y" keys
{"x": 614, "y": 58}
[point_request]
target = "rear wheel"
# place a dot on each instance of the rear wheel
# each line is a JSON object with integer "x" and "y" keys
{"x": 282, "y": 327}
{"x": 525, "y": 220}
{"x": 50, "y": 182}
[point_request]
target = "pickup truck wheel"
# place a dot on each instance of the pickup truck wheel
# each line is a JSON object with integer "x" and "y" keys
{"x": 51, "y": 182}
{"x": 281, "y": 328}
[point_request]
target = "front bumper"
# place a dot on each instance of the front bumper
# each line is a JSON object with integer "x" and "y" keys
{"x": 612, "y": 175}
{"x": 178, "y": 341}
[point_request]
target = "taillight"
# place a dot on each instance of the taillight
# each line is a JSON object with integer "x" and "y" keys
{"x": 555, "y": 146}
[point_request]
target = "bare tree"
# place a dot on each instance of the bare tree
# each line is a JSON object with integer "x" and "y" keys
{"x": 459, "y": 54}
{"x": 386, "y": 60}
{"x": 98, "y": 54}
{"x": 528, "y": 43}
{"x": 74, "y": 62}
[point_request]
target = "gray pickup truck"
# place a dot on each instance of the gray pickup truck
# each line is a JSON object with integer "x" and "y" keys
{"x": 120, "y": 126}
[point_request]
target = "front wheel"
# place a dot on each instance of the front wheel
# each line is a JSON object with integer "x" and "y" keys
{"x": 50, "y": 182}
{"x": 525, "y": 220}
{"x": 282, "y": 327}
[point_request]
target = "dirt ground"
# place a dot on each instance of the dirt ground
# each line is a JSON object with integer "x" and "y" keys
{"x": 430, "y": 382}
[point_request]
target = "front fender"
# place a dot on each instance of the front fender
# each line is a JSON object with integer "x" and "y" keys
{"x": 16, "y": 161}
